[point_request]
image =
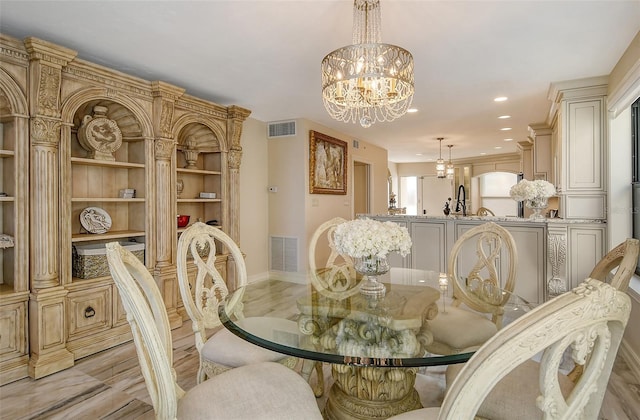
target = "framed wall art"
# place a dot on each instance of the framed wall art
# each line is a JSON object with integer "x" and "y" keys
{"x": 327, "y": 164}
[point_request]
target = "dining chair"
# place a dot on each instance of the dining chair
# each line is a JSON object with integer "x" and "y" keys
{"x": 336, "y": 278}
{"x": 264, "y": 390}
{"x": 501, "y": 381}
{"x": 482, "y": 267}
{"x": 483, "y": 211}
{"x": 624, "y": 259}
{"x": 203, "y": 292}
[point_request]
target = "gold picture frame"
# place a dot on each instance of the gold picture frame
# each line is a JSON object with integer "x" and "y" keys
{"x": 327, "y": 164}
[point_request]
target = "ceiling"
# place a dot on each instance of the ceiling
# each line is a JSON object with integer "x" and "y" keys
{"x": 265, "y": 56}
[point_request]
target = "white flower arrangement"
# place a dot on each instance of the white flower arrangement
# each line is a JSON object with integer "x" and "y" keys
{"x": 532, "y": 190}
{"x": 362, "y": 238}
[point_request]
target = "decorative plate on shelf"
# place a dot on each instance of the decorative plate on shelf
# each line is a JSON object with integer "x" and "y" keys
{"x": 95, "y": 220}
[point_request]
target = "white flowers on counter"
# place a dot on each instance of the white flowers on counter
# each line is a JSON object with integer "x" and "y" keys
{"x": 532, "y": 190}
{"x": 361, "y": 238}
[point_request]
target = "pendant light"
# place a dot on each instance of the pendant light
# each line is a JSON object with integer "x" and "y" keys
{"x": 440, "y": 165}
{"x": 450, "y": 169}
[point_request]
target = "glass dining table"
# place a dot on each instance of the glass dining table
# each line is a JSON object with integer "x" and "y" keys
{"x": 375, "y": 345}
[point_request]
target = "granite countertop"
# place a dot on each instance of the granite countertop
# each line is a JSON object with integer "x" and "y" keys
{"x": 487, "y": 218}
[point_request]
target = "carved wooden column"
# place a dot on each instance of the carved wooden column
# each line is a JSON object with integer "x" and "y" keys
{"x": 236, "y": 117}
{"x": 47, "y": 300}
{"x": 164, "y": 271}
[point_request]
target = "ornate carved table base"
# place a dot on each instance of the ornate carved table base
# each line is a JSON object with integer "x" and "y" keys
{"x": 371, "y": 393}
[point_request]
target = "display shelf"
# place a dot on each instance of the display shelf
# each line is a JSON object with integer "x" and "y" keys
{"x": 7, "y": 199}
{"x": 197, "y": 171}
{"x": 107, "y": 200}
{"x": 84, "y": 237}
{"x": 6, "y": 153}
{"x": 199, "y": 200}
{"x": 105, "y": 163}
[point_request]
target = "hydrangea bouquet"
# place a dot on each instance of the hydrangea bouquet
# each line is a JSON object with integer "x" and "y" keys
{"x": 368, "y": 238}
{"x": 532, "y": 190}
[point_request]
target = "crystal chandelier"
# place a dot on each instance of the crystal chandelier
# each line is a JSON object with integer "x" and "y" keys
{"x": 368, "y": 81}
{"x": 450, "y": 169}
{"x": 440, "y": 166}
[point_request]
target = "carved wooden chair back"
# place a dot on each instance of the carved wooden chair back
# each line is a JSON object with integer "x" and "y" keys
{"x": 480, "y": 286}
{"x": 336, "y": 279}
{"x": 149, "y": 322}
{"x": 589, "y": 319}
{"x": 625, "y": 258}
{"x": 199, "y": 245}
{"x": 483, "y": 211}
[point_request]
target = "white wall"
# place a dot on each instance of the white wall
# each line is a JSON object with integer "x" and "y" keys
{"x": 254, "y": 201}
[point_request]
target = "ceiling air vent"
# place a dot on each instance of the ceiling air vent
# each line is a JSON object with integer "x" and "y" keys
{"x": 281, "y": 129}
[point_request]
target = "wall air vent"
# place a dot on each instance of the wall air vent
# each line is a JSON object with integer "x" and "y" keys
{"x": 281, "y": 129}
{"x": 284, "y": 254}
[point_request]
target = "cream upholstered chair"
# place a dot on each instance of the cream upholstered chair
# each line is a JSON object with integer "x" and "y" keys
{"x": 336, "y": 278}
{"x": 500, "y": 381}
{"x": 483, "y": 211}
{"x": 488, "y": 252}
{"x": 261, "y": 391}
{"x": 222, "y": 350}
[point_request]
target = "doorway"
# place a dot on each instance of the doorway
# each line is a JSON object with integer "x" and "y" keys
{"x": 361, "y": 186}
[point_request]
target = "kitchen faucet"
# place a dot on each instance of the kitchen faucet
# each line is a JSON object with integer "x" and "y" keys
{"x": 462, "y": 203}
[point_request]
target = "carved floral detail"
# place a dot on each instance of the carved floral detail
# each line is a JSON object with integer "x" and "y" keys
{"x": 45, "y": 131}
{"x": 166, "y": 116}
{"x": 48, "y": 89}
{"x": 557, "y": 254}
{"x": 164, "y": 148}
{"x": 235, "y": 157}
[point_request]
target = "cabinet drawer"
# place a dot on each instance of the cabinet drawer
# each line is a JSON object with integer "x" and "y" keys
{"x": 89, "y": 311}
{"x": 13, "y": 339}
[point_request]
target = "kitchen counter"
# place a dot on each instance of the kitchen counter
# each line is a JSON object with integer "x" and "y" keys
{"x": 554, "y": 255}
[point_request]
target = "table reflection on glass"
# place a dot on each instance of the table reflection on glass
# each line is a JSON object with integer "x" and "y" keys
{"x": 375, "y": 345}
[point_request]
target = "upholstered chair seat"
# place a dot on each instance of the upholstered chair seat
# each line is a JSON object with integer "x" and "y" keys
{"x": 477, "y": 330}
{"x": 231, "y": 351}
{"x": 283, "y": 395}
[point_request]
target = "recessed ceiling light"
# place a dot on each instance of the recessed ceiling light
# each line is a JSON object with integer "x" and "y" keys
{"x": 412, "y": 110}
{"x": 502, "y": 117}
{"x": 508, "y": 139}
{"x": 483, "y": 153}
{"x": 505, "y": 129}
{"x": 418, "y": 154}
{"x": 501, "y": 99}
{"x": 498, "y": 147}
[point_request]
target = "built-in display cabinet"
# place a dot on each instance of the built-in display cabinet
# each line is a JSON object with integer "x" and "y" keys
{"x": 90, "y": 155}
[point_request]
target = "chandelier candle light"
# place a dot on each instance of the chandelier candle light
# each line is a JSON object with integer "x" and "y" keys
{"x": 367, "y": 81}
{"x": 369, "y": 242}
{"x": 440, "y": 165}
{"x": 450, "y": 171}
{"x": 534, "y": 194}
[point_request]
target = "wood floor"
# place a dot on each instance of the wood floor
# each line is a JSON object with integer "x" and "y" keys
{"x": 109, "y": 385}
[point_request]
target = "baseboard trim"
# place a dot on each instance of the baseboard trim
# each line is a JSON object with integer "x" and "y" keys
{"x": 632, "y": 359}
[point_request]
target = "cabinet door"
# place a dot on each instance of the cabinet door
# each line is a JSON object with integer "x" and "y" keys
{"x": 13, "y": 321}
{"x": 586, "y": 248}
{"x": 531, "y": 268}
{"x": 428, "y": 251}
